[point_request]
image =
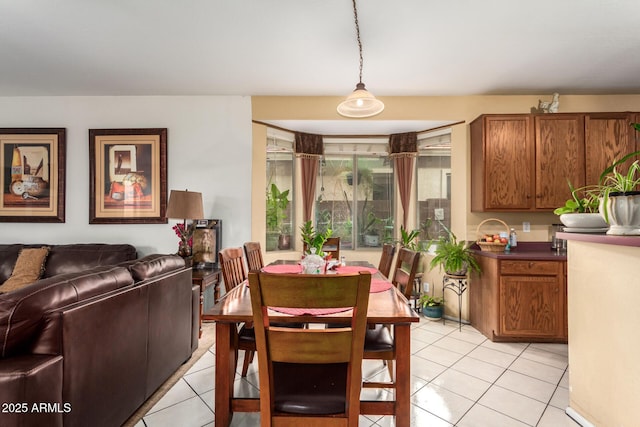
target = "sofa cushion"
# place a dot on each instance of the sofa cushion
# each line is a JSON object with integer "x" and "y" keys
{"x": 85, "y": 256}
{"x": 155, "y": 265}
{"x": 29, "y": 268}
{"x": 22, "y": 311}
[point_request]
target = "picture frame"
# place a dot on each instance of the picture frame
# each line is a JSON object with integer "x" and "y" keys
{"x": 128, "y": 176}
{"x": 207, "y": 242}
{"x": 33, "y": 174}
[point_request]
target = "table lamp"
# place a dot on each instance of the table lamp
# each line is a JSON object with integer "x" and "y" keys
{"x": 185, "y": 205}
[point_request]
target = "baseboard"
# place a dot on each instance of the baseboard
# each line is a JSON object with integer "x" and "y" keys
{"x": 577, "y": 417}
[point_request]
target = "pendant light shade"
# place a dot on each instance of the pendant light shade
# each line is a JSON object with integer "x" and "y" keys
{"x": 361, "y": 103}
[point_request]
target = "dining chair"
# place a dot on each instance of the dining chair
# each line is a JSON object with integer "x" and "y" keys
{"x": 386, "y": 259}
{"x": 309, "y": 377}
{"x": 233, "y": 273}
{"x": 332, "y": 246}
{"x": 253, "y": 253}
{"x": 379, "y": 343}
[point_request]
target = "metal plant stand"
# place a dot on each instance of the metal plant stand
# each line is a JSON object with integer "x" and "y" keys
{"x": 457, "y": 284}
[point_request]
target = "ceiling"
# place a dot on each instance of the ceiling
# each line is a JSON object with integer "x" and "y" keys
{"x": 309, "y": 48}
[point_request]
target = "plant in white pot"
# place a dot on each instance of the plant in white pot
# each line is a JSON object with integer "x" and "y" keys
{"x": 620, "y": 195}
{"x": 620, "y": 201}
{"x": 581, "y": 211}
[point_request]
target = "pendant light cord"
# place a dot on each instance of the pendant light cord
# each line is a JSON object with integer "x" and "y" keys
{"x": 355, "y": 16}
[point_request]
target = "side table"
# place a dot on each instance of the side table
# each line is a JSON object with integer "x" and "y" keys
{"x": 205, "y": 278}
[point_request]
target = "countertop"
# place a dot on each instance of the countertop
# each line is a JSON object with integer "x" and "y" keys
{"x": 601, "y": 238}
{"x": 540, "y": 251}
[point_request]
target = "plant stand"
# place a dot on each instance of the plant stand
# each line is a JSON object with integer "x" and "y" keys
{"x": 458, "y": 284}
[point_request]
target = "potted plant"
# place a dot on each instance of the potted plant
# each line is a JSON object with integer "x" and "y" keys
{"x": 453, "y": 256}
{"x": 582, "y": 209}
{"x": 620, "y": 201}
{"x": 313, "y": 239}
{"x": 432, "y": 307}
{"x": 619, "y": 195}
{"x": 408, "y": 239}
{"x": 276, "y": 212}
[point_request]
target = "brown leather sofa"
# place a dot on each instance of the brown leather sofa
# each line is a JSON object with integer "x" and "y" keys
{"x": 88, "y": 347}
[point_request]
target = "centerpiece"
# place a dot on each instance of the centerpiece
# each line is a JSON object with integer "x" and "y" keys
{"x": 314, "y": 261}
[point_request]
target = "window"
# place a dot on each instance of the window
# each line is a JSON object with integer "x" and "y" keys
{"x": 356, "y": 189}
{"x": 434, "y": 185}
{"x": 279, "y": 195}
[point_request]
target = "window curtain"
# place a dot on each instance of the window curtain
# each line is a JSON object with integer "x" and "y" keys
{"x": 309, "y": 148}
{"x": 403, "y": 148}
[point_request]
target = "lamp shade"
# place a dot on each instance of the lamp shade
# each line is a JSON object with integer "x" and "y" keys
{"x": 185, "y": 205}
{"x": 360, "y": 104}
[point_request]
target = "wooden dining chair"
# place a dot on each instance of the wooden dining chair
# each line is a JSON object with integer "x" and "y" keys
{"x": 309, "y": 377}
{"x": 233, "y": 273}
{"x": 386, "y": 259}
{"x": 379, "y": 343}
{"x": 332, "y": 246}
{"x": 253, "y": 252}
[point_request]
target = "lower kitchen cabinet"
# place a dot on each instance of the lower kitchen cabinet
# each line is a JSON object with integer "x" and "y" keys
{"x": 519, "y": 300}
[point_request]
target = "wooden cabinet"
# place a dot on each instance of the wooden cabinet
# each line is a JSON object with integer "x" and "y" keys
{"x": 560, "y": 156}
{"x": 608, "y": 137}
{"x": 519, "y": 300}
{"x": 502, "y": 161}
{"x": 522, "y": 162}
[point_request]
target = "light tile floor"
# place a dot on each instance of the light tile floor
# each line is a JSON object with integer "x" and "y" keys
{"x": 459, "y": 378}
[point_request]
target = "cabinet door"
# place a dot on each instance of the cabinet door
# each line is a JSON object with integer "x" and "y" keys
{"x": 531, "y": 306}
{"x": 559, "y": 141}
{"x": 608, "y": 137}
{"x": 502, "y": 163}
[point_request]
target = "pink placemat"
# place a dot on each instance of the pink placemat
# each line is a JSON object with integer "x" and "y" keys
{"x": 282, "y": 268}
{"x": 355, "y": 269}
{"x": 379, "y": 285}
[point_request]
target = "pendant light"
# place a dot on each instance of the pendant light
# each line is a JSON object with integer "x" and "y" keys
{"x": 360, "y": 103}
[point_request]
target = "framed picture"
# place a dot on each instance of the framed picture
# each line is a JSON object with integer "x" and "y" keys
{"x": 207, "y": 242}
{"x": 128, "y": 176}
{"x": 33, "y": 174}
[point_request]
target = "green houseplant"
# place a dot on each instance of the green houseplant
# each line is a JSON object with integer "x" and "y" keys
{"x": 453, "y": 256}
{"x": 432, "y": 307}
{"x": 582, "y": 209}
{"x": 278, "y": 235}
{"x": 314, "y": 239}
{"x": 619, "y": 195}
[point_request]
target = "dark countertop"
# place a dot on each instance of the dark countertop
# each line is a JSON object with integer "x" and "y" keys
{"x": 539, "y": 251}
{"x": 602, "y": 238}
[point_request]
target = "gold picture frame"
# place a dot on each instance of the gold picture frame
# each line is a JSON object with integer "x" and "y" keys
{"x": 33, "y": 174}
{"x": 128, "y": 176}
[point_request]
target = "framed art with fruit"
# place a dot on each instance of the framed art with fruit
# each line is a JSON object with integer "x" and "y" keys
{"x": 127, "y": 176}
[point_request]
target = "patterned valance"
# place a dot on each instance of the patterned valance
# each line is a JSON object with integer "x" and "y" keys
{"x": 308, "y": 145}
{"x": 403, "y": 144}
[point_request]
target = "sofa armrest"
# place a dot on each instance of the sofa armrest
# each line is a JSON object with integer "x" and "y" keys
{"x": 31, "y": 380}
{"x": 155, "y": 265}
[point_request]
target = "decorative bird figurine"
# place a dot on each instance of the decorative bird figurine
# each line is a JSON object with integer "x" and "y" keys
{"x": 550, "y": 106}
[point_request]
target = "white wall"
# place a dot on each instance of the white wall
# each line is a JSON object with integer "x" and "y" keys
{"x": 209, "y": 150}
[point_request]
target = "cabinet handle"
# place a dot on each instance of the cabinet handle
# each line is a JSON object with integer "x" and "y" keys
{"x": 530, "y": 264}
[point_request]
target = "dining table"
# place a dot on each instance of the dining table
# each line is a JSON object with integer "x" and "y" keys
{"x": 387, "y": 305}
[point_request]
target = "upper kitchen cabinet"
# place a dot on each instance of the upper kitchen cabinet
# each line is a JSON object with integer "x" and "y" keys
{"x": 608, "y": 137}
{"x": 502, "y": 162}
{"x": 560, "y": 157}
{"x": 522, "y": 162}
